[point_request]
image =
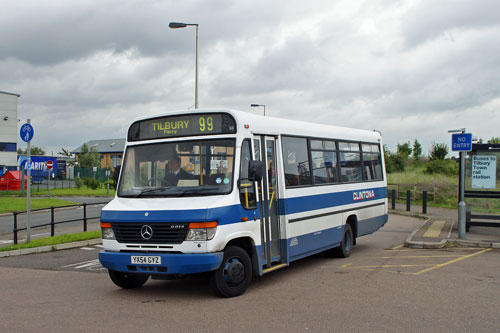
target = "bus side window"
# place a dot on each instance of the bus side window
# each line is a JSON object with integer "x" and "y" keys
{"x": 246, "y": 187}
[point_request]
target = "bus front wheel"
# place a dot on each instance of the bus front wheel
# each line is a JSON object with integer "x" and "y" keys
{"x": 233, "y": 276}
{"x": 127, "y": 280}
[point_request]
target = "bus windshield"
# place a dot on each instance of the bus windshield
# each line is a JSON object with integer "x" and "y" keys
{"x": 187, "y": 168}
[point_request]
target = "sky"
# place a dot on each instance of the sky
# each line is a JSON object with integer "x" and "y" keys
{"x": 412, "y": 69}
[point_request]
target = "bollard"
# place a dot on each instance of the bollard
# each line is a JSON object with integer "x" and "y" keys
{"x": 393, "y": 199}
{"x": 424, "y": 202}
{"x": 52, "y": 225}
{"x": 408, "y": 199}
{"x": 84, "y": 217}
{"x": 15, "y": 228}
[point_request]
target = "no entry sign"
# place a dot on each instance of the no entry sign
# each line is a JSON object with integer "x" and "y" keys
{"x": 50, "y": 165}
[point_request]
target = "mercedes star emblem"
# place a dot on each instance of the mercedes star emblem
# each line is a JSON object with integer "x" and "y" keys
{"x": 146, "y": 232}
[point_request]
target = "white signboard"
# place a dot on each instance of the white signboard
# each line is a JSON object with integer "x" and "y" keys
{"x": 484, "y": 169}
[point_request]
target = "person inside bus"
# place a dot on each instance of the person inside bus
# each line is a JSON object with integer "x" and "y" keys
{"x": 116, "y": 174}
{"x": 173, "y": 172}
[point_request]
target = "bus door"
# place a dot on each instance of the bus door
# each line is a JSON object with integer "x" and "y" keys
{"x": 265, "y": 150}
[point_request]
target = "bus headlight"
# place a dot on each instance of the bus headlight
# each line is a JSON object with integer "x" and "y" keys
{"x": 201, "y": 231}
{"x": 107, "y": 231}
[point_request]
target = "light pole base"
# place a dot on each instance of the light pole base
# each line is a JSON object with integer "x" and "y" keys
{"x": 461, "y": 220}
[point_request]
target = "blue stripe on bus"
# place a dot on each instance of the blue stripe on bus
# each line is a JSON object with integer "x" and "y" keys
{"x": 308, "y": 244}
{"x": 305, "y": 245}
{"x": 223, "y": 215}
{"x": 320, "y": 201}
{"x": 234, "y": 213}
{"x": 371, "y": 225}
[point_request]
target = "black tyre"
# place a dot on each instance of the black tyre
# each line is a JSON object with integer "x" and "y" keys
{"x": 345, "y": 248}
{"x": 127, "y": 280}
{"x": 234, "y": 274}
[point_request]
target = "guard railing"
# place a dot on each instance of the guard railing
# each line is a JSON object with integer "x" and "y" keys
{"x": 53, "y": 221}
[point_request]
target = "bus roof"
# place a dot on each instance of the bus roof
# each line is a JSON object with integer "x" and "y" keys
{"x": 260, "y": 124}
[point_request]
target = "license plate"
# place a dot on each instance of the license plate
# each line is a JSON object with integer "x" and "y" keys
{"x": 148, "y": 260}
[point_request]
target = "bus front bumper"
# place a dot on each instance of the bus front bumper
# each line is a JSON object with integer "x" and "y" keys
{"x": 170, "y": 263}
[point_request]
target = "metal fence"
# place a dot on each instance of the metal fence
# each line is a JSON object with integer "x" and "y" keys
{"x": 53, "y": 221}
{"x": 101, "y": 175}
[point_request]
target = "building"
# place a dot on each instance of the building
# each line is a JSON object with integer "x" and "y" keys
{"x": 110, "y": 151}
{"x": 8, "y": 131}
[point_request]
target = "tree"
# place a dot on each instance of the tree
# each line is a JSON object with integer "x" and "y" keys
{"x": 438, "y": 151}
{"x": 494, "y": 140}
{"x": 417, "y": 150}
{"x": 89, "y": 157}
{"x": 404, "y": 150}
{"x": 393, "y": 162}
{"x": 67, "y": 153}
{"x": 34, "y": 151}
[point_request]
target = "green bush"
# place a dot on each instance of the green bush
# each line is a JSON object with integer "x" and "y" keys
{"x": 395, "y": 163}
{"x": 79, "y": 183}
{"x": 438, "y": 151}
{"x": 443, "y": 167}
{"x": 92, "y": 183}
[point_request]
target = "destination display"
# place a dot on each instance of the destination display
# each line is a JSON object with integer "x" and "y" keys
{"x": 183, "y": 125}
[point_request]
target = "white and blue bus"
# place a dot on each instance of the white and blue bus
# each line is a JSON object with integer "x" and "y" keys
{"x": 235, "y": 195}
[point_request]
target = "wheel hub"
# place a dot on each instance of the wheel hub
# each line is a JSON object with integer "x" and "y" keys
{"x": 235, "y": 272}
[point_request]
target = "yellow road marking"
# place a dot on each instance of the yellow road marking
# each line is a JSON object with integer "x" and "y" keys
{"x": 435, "y": 229}
{"x": 389, "y": 266}
{"x": 427, "y": 250}
{"x": 397, "y": 247}
{"x": 441, "y": 256}
{"x": 451, "y": 262}
{"x": 429, "y": 268}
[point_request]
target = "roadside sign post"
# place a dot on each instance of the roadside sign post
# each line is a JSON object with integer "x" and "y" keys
{"x": 461, "y": 142}
{"x": 50, "y": 165}
{"x": 27, "y": 133}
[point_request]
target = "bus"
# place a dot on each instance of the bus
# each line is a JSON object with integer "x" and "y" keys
{"x": 232, "y": 195}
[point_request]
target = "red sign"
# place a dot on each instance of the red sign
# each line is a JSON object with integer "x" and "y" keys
{"x": 50, "y": 165}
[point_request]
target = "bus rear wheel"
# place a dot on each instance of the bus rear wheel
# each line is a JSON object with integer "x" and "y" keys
{"x": 345, "y": 247}
{"x": 127, "y": 280}
{"x": 233, "y": 276}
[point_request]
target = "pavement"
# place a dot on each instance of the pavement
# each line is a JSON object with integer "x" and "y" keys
{"x": 440, "y": 229}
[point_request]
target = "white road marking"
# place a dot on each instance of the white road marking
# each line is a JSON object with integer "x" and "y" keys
{"x": 87, "y": 248}
{"x": 91, "y": 265}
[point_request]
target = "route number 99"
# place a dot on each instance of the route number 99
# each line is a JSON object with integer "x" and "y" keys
{"x": 206, "y": 124}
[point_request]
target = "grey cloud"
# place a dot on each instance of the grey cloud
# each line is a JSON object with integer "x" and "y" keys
{"x": 430, "y": 19}
{"x": 89, "y": 68}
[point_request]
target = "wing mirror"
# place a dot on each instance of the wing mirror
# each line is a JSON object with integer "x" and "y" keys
{"x": 255, "y": 170}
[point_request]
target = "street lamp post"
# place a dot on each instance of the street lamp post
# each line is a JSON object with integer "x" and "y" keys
{"x": 257, "y": 105}
{"x": 178, "y": 25}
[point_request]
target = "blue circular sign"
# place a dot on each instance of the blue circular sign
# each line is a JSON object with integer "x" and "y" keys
{"x": 26, "y": 132}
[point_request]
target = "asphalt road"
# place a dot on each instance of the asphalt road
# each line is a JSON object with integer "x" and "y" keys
{"x": 382, "y": 287}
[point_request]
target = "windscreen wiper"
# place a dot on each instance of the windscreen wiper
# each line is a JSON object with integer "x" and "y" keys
{"x": 196, "y": 190}
{"x": 153, "y": 190}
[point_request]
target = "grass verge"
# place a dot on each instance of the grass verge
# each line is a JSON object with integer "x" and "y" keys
{"x": 11, "y": 204}
{"x": 76, "y": 192}
{"x": 59, "y": 239}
